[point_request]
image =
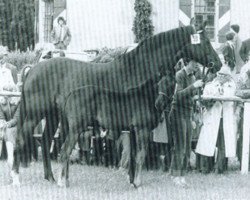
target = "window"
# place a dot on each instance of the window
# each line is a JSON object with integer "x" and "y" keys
{"x": 48, "y": 20}
{"x": 205, "y": 10}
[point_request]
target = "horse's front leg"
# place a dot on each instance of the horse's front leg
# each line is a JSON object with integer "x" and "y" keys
{"x": 142, "y": 139}
{"x": 66, "y": 150}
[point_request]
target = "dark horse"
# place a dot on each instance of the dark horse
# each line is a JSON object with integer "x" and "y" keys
{"x": 116, "y": 111}
{"x": 49, "y": 82}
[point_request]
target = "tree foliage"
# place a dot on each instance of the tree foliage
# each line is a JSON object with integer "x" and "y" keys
{"x": 143, "y": 25}
{"x": 17, "y": 24}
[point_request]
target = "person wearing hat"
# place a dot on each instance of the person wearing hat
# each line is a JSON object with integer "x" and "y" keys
{"x": 219, "y": 124}
{"x": 237, "y": 43}
{"x": 61, "y": 35}
{"x": 8, "y": 73}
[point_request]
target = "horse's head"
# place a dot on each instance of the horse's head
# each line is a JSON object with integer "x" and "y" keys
{"x": 201, "y": 51}
{"x": 165, "y": 92}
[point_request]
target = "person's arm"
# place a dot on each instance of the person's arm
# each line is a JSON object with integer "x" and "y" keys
{"x": 2, "y": 119}
{"x": 68, "y": 38}
{"x": 229, "y": 57}
{"x": 182, "y": 92}
{"x": 225, "y": 53}
{"x": 243, "y": 52}
{"x": 13, "y": 121}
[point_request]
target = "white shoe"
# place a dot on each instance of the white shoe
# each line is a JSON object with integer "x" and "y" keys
{"x": 15, "y": 179}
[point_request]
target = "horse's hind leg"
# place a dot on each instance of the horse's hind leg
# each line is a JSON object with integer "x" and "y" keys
{"x": 142, "y": 139}
{"x": 66, "y": 150}
{"x": 23, "y": 146}
{"x": 47, "y": 137}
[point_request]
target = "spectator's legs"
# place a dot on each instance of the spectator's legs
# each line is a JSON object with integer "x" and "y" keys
{"x": 221, "y": 162}
{"x": 10, "y": 153}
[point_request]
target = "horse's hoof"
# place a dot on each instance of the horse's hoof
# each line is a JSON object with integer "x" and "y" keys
{"x": 50, "y": 179}
{"x": 63, "y": 183}
{"x": 16, "y": 183}
{"x": 137, "y": 183}
{"x": 60, "y": 184}
{"x": 67, "y": 184}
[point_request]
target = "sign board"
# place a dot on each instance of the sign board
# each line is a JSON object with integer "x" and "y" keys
{"x": 195, "y": 39}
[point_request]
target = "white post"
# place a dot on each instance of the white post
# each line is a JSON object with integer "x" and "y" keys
{"x": 245, "y": 146}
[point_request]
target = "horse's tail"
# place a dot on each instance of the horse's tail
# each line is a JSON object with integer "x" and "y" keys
{"x": 23, "y": 140}
{"x": 132, "y": 163}
{"x": 22, "y": 105}
{"x": 25, "y": 72}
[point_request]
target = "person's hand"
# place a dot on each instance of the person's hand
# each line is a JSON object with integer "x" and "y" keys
{"x": 198, "y": 83}
{"x": 8, "y": 124}
{"x": 4, "y": 125}
{"x": 193, "y": 124}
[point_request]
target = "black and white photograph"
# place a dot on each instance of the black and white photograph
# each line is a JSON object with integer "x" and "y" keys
{"x": 124, "y": 99}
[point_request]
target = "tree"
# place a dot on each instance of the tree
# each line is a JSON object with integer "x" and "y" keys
{"x": 5, "y": 21}
{"x": 17, "y": 24}
{"x": 22, "y": 25}
{"x": 142, "y": 26}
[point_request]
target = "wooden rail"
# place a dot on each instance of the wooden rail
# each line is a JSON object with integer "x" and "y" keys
{"x": 246, "y": 127}
{"x": 10, "y": 94}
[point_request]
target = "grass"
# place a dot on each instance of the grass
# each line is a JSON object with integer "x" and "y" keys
{"x": 92, "y": 182}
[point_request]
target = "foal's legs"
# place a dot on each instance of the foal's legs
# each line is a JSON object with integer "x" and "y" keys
{"x": 125, "y": 142}
{"x": 142, "y": 139}
{"x": 66, "y": 150}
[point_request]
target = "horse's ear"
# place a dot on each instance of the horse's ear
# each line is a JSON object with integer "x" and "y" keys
{"x": 204, "y": 25}
{"x": 192, "y": 22}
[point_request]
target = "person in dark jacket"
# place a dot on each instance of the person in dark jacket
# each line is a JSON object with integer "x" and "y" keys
{"x": 238, "y": 44}
{"x": 229, "y": 51}
{"x": 180, "y": 119}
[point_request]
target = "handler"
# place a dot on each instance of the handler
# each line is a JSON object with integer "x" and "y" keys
{"x": 180, "y": 119}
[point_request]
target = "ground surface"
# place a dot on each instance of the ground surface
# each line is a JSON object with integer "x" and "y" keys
{"x": 92, "y": 182}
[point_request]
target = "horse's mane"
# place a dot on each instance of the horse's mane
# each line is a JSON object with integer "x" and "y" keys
{"x": 152, "y": 54}
{"x": 157, "y": 41}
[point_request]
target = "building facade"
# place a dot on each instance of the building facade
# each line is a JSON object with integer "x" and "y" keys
{"x": 97, "y": 23}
